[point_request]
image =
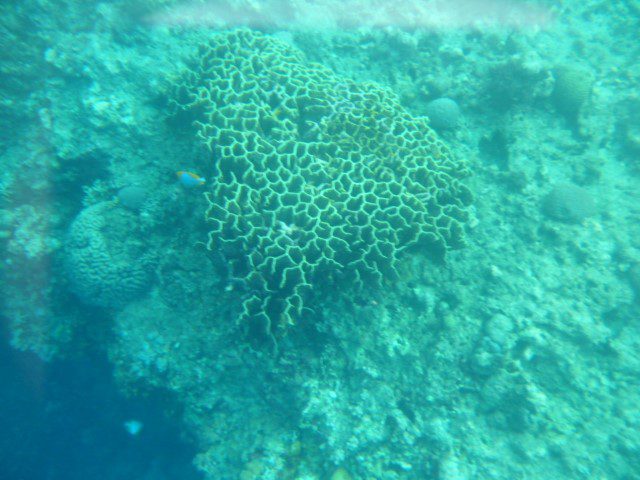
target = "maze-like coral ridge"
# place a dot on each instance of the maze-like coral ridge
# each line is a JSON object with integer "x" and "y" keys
{"x": 318, "y": 180}
{"x": 105, "y": 266}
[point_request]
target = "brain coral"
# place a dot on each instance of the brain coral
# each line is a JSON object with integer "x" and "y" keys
{"x": 317, "y": 180}
{"x": 105, "y": 264}
{"x": 569, "y": 203}
{"x": 572, "y": 88}
{"x": 443, "y": 113}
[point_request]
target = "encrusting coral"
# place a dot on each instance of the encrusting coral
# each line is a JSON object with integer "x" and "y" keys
{"x": 317, "y": 180}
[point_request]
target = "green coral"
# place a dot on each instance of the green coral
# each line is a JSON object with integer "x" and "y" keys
{"x": 317, "y": 180}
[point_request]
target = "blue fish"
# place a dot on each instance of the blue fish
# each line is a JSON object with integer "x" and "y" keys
{"x": 189, "y": 179}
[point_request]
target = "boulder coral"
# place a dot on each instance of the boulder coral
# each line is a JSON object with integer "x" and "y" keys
{"x": 317, "y": 180}
{"x": 573, "y": 85}
{"x": 443, "y": 113}
{"x": 106, "y": 263}
{"x": 569, "y": 203}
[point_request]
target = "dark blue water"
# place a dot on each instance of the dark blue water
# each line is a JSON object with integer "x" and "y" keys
{"x": 63, "y": 420}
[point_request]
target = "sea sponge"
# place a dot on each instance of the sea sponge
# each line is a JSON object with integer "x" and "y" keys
{"x": 317, "y": 180}
{"x": 569, "y": 203}
{"x": 106, "y": 263}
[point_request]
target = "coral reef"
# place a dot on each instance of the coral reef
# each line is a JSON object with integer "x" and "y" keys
{"x": 31, "y": 237}
{"x": 452, "y": 372}
{"x": 317, "y": 179}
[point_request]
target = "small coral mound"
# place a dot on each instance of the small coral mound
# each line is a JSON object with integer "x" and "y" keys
{"x": 443, "y": 113}
{"x": 106, "y": 265}
{"x": 569, "y": 203}
{"x": 572, "y": 89}
{"x": 132, "y": 197}
{"x": 317, "y": 180}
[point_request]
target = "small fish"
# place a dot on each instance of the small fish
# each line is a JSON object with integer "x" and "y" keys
{"x": 189, "y": 179}
{"x": 133, "y": 427}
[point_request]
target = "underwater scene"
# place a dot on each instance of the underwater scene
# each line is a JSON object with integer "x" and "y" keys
{"x": 319, "y": 240}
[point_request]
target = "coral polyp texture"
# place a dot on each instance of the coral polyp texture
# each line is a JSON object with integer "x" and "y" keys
{"x": 105, "y": 265}
{"x": 317, "y": 180}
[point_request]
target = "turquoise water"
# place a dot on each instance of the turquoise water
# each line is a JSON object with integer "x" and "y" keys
{"x": 320, "y": 240}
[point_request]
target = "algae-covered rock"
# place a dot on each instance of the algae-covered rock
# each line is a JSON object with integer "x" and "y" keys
{"x": 317, "y": 180}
